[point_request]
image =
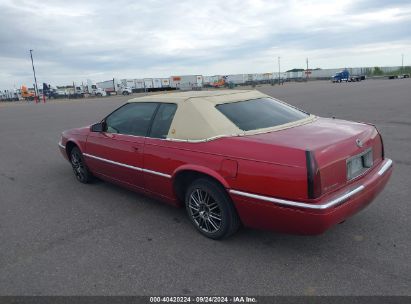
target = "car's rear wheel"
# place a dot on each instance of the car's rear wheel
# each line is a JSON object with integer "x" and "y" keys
{"x": 81, "y": 172}
{"x": 210, "y": 209}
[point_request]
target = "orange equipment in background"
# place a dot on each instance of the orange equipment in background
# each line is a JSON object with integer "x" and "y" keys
{"x": 26, "y": 94}
{"x": 218, "y": 84}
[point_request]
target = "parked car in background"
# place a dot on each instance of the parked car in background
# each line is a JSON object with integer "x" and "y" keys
{"x": 392, "y": 76}
{"x": 234, "y": 157}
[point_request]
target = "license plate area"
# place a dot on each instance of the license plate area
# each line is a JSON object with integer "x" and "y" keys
{"x": 359, "y": 164}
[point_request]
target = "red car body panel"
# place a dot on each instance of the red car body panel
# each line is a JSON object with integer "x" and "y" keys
{"x": 270, "y": 166}
{"x": 269, "y": 216}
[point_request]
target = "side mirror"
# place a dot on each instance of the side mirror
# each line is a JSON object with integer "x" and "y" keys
{"x": 98, "y": 127}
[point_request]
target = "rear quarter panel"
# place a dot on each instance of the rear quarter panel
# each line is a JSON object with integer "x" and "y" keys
{"x": 274, "y": 180}
{"x": 261, "y": 169}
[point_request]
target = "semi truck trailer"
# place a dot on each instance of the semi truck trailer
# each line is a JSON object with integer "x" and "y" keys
{"x": 114, "y": 86}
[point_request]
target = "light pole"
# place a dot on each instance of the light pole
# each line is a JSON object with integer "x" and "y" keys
{"x": 36, "y": 89}
{"x": 279, "y": 80}
{"x": 402, "y": 63}
{"x": 306, "y": 71}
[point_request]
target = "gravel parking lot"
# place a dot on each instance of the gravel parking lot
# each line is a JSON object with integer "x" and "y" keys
{"x": 60, "y": 237}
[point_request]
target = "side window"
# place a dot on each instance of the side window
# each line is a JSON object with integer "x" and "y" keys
{"x": 133, "y": 118}
{"x": 162, "y": 120}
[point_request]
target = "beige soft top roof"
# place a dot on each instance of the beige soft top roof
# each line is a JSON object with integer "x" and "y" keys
{"x": 197, "y": 119}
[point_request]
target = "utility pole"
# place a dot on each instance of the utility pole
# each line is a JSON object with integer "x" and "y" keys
{"x": 402, "y": 63}
{"x": 279, "y": 79}
{"x": 306, "y": 71}
{"x": 36, "y": 89}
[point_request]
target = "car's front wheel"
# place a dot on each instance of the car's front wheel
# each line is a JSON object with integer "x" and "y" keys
{"x": 210, "y": 209}
{"x": 81, "y": 172}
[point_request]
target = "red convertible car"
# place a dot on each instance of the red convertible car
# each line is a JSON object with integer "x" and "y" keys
{"x": 235, "y": 157}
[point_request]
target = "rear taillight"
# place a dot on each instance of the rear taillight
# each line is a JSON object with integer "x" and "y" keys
{"x": 382, "y": 143}
{"x": 382, "y": 146}
{"x": 313, "y": 176}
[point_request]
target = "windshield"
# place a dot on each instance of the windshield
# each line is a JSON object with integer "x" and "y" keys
{"x": 260, "y": 113}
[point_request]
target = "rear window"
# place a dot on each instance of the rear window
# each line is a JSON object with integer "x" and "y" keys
{"x": 260, "y": 113}
{"x": 162, "y": 121}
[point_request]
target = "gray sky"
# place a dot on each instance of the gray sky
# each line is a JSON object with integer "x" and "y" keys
{"x": 75, "y": 40}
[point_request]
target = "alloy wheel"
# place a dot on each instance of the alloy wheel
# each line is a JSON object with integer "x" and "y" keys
{"x": 78, "y": 166}
{"x": 205, "y": 211}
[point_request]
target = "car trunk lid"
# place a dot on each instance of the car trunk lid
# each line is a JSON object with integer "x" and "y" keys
{"x": 331, "y": 143}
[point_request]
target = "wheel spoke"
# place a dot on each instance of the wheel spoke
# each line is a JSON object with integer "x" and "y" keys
{"x": 212, "y": 223}
{"x": 81, "y": 171}
{"x": 213, "y": 206}
{"x": 206, "y": 225}
{"x": 76, "y": 158}
{"x": 194, "y": 207}
{"x": 195, "y": 200}
{"x": 200, "y": 197}
{"x": 201, "y": 223}
{"x": 206, "y": 198}
{"x": 215, "y": 217}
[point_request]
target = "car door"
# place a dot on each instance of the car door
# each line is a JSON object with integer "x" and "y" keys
{"x": 117, "y": 152}
{"x": 159, "y": 160}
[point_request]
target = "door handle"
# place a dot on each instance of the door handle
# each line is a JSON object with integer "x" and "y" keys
{"x": 135, "y": 149}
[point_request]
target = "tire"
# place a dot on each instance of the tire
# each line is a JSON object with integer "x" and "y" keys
{"x": 82, "y": 174}
{"x": 210, "y": 209}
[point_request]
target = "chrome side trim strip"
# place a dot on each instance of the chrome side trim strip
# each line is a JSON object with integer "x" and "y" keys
{"x": 330, "y": 204}
{"x": 62, "y": 146}
{"x": 156, "y": 173}
{"x": 384, "y": 168}
{"x": 127, "y": 166}
{"x": 113, "y": 162}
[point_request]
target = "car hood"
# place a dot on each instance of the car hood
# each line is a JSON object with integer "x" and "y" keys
{"x": 77, "y": 131}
